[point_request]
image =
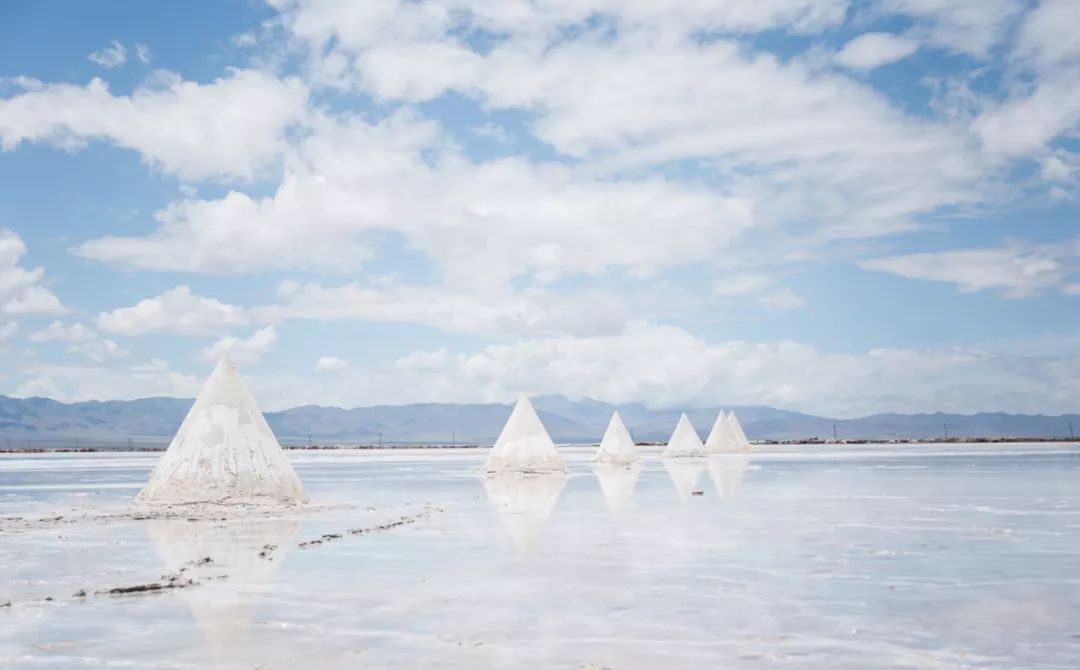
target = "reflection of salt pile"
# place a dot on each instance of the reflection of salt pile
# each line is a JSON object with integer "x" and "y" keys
{"x": 524, "y": 445}
{"x": 524, "y": 502}
{"x": 224, "y": 600}
{"x": 684, "y": 474}
{"x": 617, "y": 482}
{"x": 617, "y": 447}
{"x": 684, "y": 441}
{"x": 224, "y": 452}
{"x": 735, "y": 434}
{"x": 727, "y": 471}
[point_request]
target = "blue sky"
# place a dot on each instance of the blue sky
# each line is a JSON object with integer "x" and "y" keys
{"x": 837, "y": 207}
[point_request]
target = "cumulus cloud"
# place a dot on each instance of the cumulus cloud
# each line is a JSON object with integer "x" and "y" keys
{"x": 242, "y": 350}
{"x": 482, "y": 223}
{"x": 872, "y": 50}
{"x": 665, "y": 366}
{"x": 58, "y": 331}
{"x": 1027, "y": 121}
{"x": 193, "y": 130}
{"x": 105, "y": 380}
{"x": 499, "y": 314}
{"x": 21, "y": 290}
{"x": 111, "y": 56}
{"x": 1018, "y": 270}
{"x": 99, "y": 350}
{"x": 177, "y": 310}
{"x": 330, "y": 364}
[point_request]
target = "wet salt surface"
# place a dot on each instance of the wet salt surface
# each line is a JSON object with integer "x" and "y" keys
{"x": 854, "y": 557}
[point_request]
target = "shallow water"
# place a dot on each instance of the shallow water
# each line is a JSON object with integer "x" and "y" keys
{"x": 852, "y": 557}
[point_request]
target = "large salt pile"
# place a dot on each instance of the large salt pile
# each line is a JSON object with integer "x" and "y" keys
{"x": 617, "y": 447}
{"x": 736, "y": 435}
{"x": 719, "y": 440}
{"x": 224, "y": 452}
{"x": 684, "y": 441}
{"x": 524, "y": 446}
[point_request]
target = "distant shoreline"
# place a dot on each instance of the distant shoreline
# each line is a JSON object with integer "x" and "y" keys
{"x": 391, "y": 447}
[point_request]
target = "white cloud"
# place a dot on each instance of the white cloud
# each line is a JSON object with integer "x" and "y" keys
{"x": 665, "y": 366}
{"x": 482, "y": 224}
{"x": 58, "y": 331}
{"x": 177, "y": 310}
{"x": 21, "y": 290}
{"x": 111, "y": 56}
{"x": 99, "y": 350}
{"x": 193, "y": 130}
{"x": 971, "y": 27}
{"x": 809, "y": 148}
{"x": 1018, "y": 270}
{"x": 330, "y": 364}
{"x": 1047, "y": 107}
{"x": 105, "y": 380}
{"x": 243, "y": 350}
{"x": 499, "y": 314}
{"x": 759, "y": 286}
{"x": 783, "y": 299}
{"x": 143, "y": 53}
{"x": 872, "y": 50}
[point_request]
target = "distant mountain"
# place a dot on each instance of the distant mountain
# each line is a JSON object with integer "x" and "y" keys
{"x": 154, "y": 420}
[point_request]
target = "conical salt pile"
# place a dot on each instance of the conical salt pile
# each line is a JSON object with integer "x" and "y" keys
{"x": 719, "y": 439}
{"x": 617, "y": 447}
{"x": 735, "y": 433}
{"x": 524, "y": 445}
{"x": 684, "y": 441}
{"x": 224, "y": 452}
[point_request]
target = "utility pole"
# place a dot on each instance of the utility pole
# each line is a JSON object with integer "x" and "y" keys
{"x": 834, "y": 438}
{"x": 380, "y": 440}
{"x": 946, "y": 432}
{"x": 1071, "y": 437}
{"x": 453, "y": 439}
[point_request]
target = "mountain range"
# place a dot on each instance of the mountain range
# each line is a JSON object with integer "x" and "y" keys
{"x": 154, "y": 420}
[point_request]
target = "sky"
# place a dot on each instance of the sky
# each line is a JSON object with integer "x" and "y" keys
{"x": 838, "y": 207}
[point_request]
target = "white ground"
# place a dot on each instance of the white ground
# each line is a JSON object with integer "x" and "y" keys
{"x": 797, "y": 557}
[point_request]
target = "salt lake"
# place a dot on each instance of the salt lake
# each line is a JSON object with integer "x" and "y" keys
{"x": 901, "y": 556}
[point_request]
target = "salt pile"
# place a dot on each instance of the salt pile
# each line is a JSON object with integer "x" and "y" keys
{"x": 617, "y": 447}
{"x": 719, "y": 439}
{"x": 524, "y": 445}
{"x": 224, "y": 452}
{"x": 684, "y": 441}
{"x": 735, "y": 434}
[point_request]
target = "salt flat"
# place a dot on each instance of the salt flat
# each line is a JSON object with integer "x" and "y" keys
{"x": 913, "y": 556}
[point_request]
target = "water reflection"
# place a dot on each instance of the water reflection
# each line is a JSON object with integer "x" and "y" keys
{"x": 617, "y": 483}
{"x": 727, "y": 472}
{"x": 245, "y": 556}
{"x": 525, "y": 503}
{"x": 684, "y": 474}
